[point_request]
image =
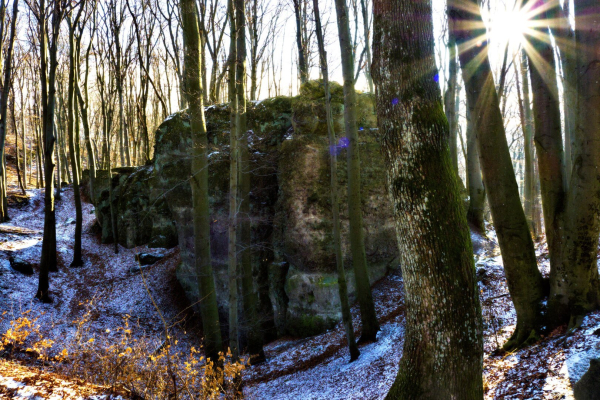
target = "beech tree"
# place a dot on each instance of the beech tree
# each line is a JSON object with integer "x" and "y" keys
{"x": 370, "y": 325}
{"x": 199, "y": 180}
{"x": 48, "y": 67}
{"x": 442, "y": 356}
{"x": 523, "y": 277}
{"x": 570, "y": 210}
{"x": 337, "y": 241}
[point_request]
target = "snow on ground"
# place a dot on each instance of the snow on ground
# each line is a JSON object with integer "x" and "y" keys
{"x": 105, "y": 278}
{"x": 25, "y": 383}
{"x": 311, "y": 368}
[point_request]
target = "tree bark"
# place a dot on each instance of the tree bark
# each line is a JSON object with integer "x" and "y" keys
{"x": 370, "y": 325}
{"x": 442, "y": 356}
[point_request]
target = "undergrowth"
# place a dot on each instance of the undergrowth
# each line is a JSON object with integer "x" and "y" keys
{"x": 121, "y": 362}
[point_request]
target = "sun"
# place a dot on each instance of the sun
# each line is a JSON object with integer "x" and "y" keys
{"x": 509, "y": 26}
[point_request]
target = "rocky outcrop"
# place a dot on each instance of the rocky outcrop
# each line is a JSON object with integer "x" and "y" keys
{"x": 293, "y": 260}
{"x": 588, "y": 387}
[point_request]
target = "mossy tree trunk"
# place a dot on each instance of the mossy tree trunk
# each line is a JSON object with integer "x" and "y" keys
{"x": 250, "y": 300}
{"x": 443, "y": 353}
{"x": 337, "y": 242}
{"x": 370, "y": 325}
{"x": 524, "y": 279}
{"x": 199, "y": 181}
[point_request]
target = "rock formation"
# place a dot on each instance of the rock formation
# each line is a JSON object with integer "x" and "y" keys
{"x": 293, "y": 260}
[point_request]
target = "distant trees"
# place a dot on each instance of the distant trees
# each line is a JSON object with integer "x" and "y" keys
{"x": 442, "y": 357}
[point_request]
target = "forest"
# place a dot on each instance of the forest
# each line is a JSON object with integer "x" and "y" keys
{"x": 300, "y": 199}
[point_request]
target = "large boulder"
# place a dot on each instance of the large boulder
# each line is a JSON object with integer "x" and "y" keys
{"x": 140, "y": 219}
{"x": 588, "y": 387}
{"x": 303, "y": 221}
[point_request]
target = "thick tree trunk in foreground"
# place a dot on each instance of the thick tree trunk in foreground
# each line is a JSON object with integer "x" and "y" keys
{"x": 339, "y": 259}
{"x": 199, "y": 181}
{"x": 250, "y": 300}
{"x": 524, "y": 279}
{"x": 443, "y": 349}
{"x": 370, "y": 325}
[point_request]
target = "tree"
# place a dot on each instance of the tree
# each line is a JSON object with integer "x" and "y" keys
{"x": 442, "y": 357}
{"x": 199, "y": 179}
{"x": 233, "y": 186}
{"x": 4, "y": 105}
{"x": 73, "y": 140}
{"x": 300, "y": 41}
{"x": 337, "y": 245}
{"x": 523, "y": 277}
{"x": 370, "y": 325}
{"x": 48, "y": 66}
{"x": 570, "y": 210}
{"x": 255, "y": 341}
{"x": 475, "y": 185}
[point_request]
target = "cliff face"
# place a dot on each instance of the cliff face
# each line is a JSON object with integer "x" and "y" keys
{"x": 293, "y": 259}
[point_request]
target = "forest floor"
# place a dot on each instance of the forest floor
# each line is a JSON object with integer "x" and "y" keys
{"x": 317, "y": 367}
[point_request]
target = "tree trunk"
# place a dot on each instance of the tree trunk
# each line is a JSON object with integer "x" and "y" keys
{"x": 337, "y": 242}
{"x": 367, "y": 32}
{"x": 525, "y": 113}
{"x": 370, "y": 325}
{"x": 523, "y": 277}
{"x": 442, "y": 356}
{"x": 474, "y": 179}
{"x": 255, "y": 340}
{"x": 3, "y": 110}
{"x": 450, "y": 103}
{"x": 574, "y": 282}
{"x": 199, "y": 181}
{"x": 302, "y": 62}
{"x": 77, "y": 259}
{"x": 48, "y": 80}
{"x": 233, "y": 187}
